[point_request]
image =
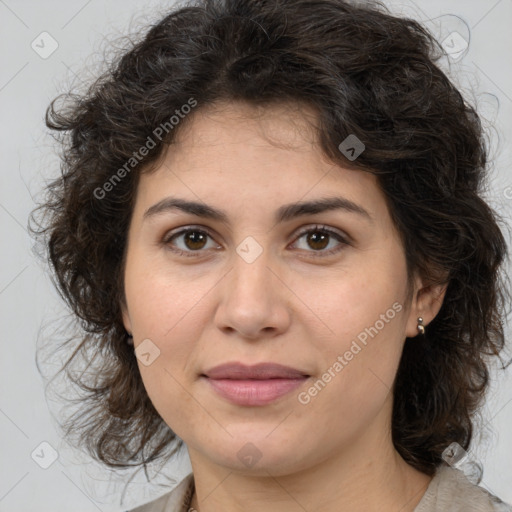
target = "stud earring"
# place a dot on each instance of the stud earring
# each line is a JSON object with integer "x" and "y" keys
{"x": 421, "y": 327}
{"x": 130, "y": 339}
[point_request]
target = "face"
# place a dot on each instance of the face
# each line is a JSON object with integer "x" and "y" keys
{"x": 322, "y": 292}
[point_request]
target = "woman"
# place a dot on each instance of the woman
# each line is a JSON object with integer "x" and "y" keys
{"x": 269, "y": 225}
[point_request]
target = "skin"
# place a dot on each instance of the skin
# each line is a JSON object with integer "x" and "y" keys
{"x": 292, "y": 305}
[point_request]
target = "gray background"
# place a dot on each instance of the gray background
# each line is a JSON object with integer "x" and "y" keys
{"x": 28, "y": 300}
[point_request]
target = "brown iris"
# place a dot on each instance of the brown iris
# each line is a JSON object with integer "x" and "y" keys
{"x": 317, "y": 237}
{"x": 195, "y": 240}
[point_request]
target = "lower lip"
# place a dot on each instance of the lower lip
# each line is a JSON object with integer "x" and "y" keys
{"x": 254, "y": 392}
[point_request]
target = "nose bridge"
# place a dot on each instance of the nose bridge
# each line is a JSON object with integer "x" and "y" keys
{"x": 251, "y": 297}
{"x": 251, "y": 275}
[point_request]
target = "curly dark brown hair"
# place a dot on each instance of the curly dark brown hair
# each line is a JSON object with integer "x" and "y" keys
{"x": 366, "y": 73}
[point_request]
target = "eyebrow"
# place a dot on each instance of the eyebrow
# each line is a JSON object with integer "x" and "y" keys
{"x": 283, "y": 214}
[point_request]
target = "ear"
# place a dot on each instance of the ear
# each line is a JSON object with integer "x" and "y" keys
{"x": 427, "y": 299}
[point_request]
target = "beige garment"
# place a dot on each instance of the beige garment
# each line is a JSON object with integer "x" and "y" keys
{"x": 449, "y": 491}
{"x": 177, "y": 500}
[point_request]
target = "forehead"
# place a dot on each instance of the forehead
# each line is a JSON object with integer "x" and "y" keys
{"x": 238, "y": 154}
{"x": 288, "y": 124}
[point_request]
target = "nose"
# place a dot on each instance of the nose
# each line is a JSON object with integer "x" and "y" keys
{"x": 254, "y": 299}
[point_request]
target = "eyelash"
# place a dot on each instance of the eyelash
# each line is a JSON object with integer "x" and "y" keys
{"x": 317, "y": 228}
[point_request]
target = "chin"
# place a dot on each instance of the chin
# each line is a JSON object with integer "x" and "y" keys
{"x": 257, "y": 453}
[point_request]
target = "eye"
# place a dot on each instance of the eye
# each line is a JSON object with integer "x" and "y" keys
{"x": 193, "y": 240}
{"x": 320, "y": 237}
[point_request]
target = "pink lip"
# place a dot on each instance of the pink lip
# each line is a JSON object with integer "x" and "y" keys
{"x": 254, "y": 392}
{"x": 254, "y": 385}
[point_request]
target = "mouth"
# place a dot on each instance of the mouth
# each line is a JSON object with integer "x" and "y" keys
{"x": 254, "y": 385}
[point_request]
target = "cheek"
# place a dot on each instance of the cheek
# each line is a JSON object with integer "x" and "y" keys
{"x": 357, "y": 376}
{"x": 169, "y": 311}
{"x": 364, "y": 311}
{"x": 364, "y": 300}
{"x": 160, "y": 298}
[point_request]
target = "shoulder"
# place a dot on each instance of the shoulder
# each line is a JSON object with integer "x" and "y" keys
{"x": 176, "y": 500}
{"x": 451, "y": 491}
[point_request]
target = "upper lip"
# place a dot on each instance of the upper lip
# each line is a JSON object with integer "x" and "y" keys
{"x": 257, "y": 371}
